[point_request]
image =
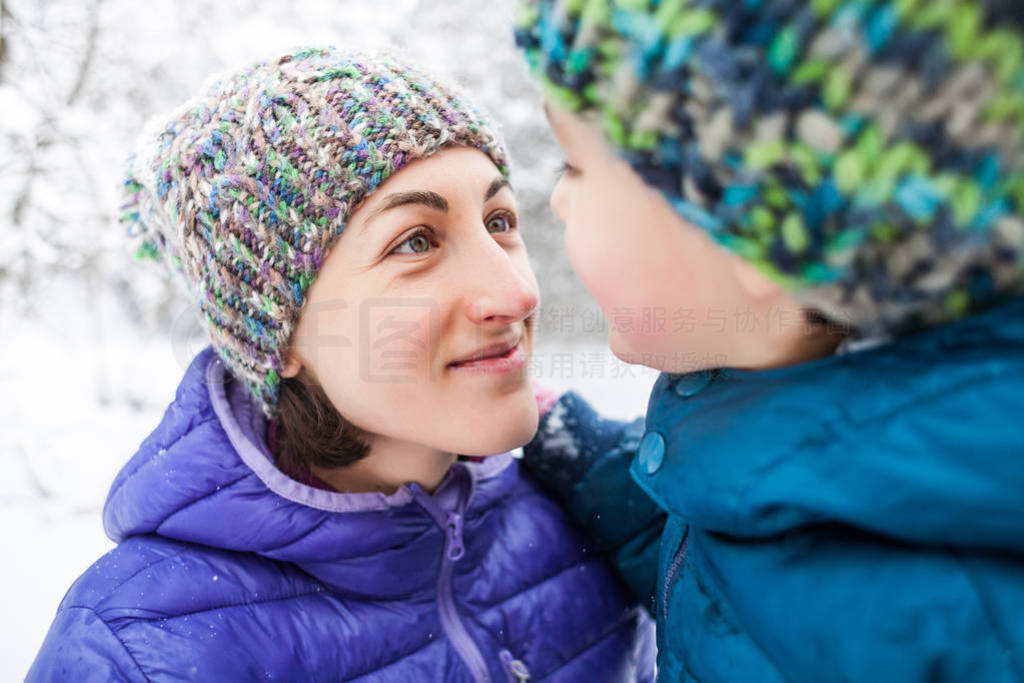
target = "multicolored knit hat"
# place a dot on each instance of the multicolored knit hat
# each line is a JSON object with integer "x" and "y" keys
{"x": 867, "y": 154}
{"x": 242, "y": 191}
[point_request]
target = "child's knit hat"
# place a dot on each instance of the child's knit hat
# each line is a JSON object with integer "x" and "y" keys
{"x": 242, "y": 191}
{"x": 868, "y": 154}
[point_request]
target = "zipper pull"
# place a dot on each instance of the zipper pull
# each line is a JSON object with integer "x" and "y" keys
{"x": 517, "y": 671}
{"x": 454, "y": 532}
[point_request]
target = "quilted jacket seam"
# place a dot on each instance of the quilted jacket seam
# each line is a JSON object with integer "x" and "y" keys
{"x": 230, "y": 605}
{"x": 143, "y": 464}
{"x": 610, "y": 631}
{"x": 116, "y": 637}
{"x": 219, "y": 489}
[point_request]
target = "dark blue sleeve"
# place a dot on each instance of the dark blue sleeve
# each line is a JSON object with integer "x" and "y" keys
{"x": 583, "y": 461}
{"x": 81, "y": 647}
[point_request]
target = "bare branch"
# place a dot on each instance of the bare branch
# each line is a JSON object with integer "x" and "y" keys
{"x": 5, "y": 53}
{"x": 90, "y": 52}
{"x": 25, "y": 194}
{"x": 36, "y": 483}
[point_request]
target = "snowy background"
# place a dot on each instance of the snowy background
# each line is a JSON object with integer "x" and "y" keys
{"x": 93, "y": 343}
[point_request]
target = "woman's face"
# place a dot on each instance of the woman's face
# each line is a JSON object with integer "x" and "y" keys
{"x": 430, "y": 273}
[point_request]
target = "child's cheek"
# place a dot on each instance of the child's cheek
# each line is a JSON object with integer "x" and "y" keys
{"x": 592, "y": 261}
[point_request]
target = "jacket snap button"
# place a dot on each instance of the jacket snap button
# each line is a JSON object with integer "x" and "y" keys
{"x": 652, "y": 452}
{"x": 689, "y": 384}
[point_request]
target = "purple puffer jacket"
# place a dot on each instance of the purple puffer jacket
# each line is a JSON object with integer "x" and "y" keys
{"x": 227, "y": 570}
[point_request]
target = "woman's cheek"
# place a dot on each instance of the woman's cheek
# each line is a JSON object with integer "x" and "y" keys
{"x": 399, "y": 338}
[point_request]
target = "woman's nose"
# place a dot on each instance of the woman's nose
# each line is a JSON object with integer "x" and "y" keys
{"x": 500, "y": 288}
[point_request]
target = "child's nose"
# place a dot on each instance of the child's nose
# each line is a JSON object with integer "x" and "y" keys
{"x": 558, "y": 201}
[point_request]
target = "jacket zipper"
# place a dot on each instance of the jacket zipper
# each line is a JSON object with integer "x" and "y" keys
{"x": 515, "y": 668}
{"x": 454, "y": 549}
{"x": 673, "y": 570}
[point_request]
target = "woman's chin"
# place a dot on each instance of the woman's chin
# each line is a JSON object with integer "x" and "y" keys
{"x": 504, "y": 433}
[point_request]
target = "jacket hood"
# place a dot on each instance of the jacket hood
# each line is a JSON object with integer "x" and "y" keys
{"x": 920, "y": 439}
{"x": 205, "y": 475}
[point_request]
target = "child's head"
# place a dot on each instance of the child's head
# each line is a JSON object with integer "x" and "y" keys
{"x": 671, "y": 295}
{"x": 863, "y": 161}
{"x": 346, "y": 223}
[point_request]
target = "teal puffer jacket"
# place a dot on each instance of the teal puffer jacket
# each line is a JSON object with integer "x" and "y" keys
{"x": 855, "y": 518}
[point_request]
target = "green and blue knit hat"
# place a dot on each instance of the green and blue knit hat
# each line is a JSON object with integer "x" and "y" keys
{"x": 242, "y": 190}
{"x": 867, "y": 154}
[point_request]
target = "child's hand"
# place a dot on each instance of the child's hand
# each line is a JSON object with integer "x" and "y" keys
{"x": 545, "y": 398}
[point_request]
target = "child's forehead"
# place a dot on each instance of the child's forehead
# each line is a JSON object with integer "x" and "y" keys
{"x": 579, "y": 132}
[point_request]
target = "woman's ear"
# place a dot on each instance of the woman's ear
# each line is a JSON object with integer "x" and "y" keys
{"x": 291, "y": 366}
{"x": 752, "y": 281}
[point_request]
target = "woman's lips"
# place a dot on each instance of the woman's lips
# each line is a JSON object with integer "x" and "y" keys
{"x": 510, "y": 361}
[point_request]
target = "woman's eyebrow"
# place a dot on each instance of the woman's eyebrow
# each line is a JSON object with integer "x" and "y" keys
{"x": 426, "y": 198}
{"x": 422, "y": 197}
{"x": 431, "y": 199}
{"x": 495, "y": 187}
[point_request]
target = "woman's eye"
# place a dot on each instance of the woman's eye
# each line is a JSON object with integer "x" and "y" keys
{"x": 499, "y": 223}
{"x": 417, "y": 244}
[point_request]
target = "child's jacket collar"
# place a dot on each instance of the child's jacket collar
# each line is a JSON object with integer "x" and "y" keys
{"x": 920, "y": 439}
